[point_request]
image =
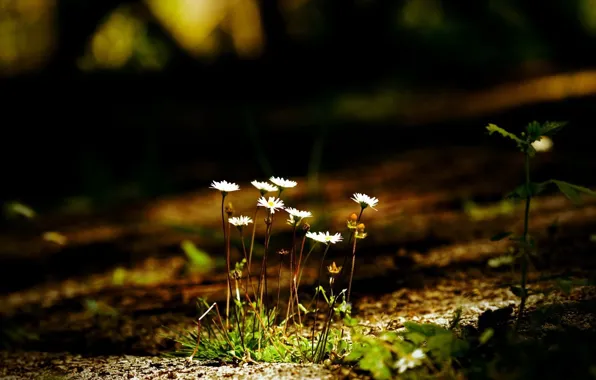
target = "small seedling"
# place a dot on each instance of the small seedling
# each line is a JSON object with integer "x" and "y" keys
{"x": 529, "y": 143}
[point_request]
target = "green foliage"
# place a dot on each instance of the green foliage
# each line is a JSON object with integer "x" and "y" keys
{"x": 531, "y": 190}
{"x": 491, "y": 351}
{"x": 99, "y": 308}
{"x": 375, "y": 354}
{"x": 420, "y": 351}
{"x": 16, "y": 209}
{"x": 526, "y": 245}
{"x": 495, "y": 129}
{"x": 500, "y": 261}
{"x": 500, "y": 236}
{"x": 571, "y": 191}
{"x": 119, "y": 276}
{"x": 13, "y": 335}
{"x": 478, "y": 212}
{"x": 533, "y": 132}
{"x": 248, "y": 339}
{"x": 199, "y": 260}
{"x": 549, "y": 128}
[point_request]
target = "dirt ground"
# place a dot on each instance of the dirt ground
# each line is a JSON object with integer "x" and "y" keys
{"x": 426, "y": 255}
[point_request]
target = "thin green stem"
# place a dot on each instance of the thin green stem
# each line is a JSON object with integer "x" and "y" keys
{"x": 305, "y": 260}
{"x": 262, "y": 288}
{"x": 292, "y": 277}
{"x": 524, "y": 264}
{"x": 297, "y": 272}
{"x": 227, "y": 247}
{"x": 352, "y": 270}
{"x": 252, "y": 239}
{"x": 281, "y": 260}
{"x": 316, "y": 298}
{"x": 248, "y": 278}
{"x": 352, "y": 232}
{"x": 322, "y": 343}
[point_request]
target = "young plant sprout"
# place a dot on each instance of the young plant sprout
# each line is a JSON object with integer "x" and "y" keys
{"x": 535, "y": 138}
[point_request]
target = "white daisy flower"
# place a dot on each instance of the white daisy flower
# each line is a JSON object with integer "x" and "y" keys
{"x": 283, "y": 183}
{"x": 410, "y": 360}
{"x": 296, "y": 216}
{"x": 239, "y": 221}
{"x": 264, "y": 187}
{"x": 543, "y": 145}
{"x": 365, "y": 201}
{"x": 324, "y": 237}
{"x": 297, "y": 213}
{"x": 224, "y": 186}
{"x": 273, "y": 204}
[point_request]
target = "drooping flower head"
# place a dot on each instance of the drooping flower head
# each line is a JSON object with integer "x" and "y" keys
{"x": 264, "y": 187}
{"x": 365, "y": 201}
{"x": 224, "y": 186}
{"x": 272, "y": 203}
{"x": 324, "y": 237}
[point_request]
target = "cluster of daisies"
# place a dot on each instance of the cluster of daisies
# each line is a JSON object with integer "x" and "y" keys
{"x": 273, "y": 204}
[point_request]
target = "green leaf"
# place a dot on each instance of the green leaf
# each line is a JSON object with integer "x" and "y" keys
{"x": 521, "y": 191}
{"x": 119, "y": 276}
{"x": 518, "y": 291}
{"x": 200, "y": 261}
{"x": 456, "y": 318}
{"x": 572, "y": 191}
{"x": 494, "y": 129}
{"x": 440, "y": 345}
{"x": 565, "y": 285}
{"x": 549, "y": 128}
{"x": 350, "y": 322}
{"x": 486, "y": 335}
{"x": 459, "y": 347}
{"x": 416, "y": 337}
{"x": 501, "y": 236}
{"x": 426, "y": 329}
{"x": 497, "y": 262}
{"x": 534, "y": 131}
{"x": 358, "y": 351}
{"x": 377, "y": 361}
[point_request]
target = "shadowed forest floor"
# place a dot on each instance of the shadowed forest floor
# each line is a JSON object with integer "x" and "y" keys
{"x": 426, "y": 256}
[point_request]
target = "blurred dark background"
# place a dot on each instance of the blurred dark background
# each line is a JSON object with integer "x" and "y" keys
{"x": 108, "y": 101}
